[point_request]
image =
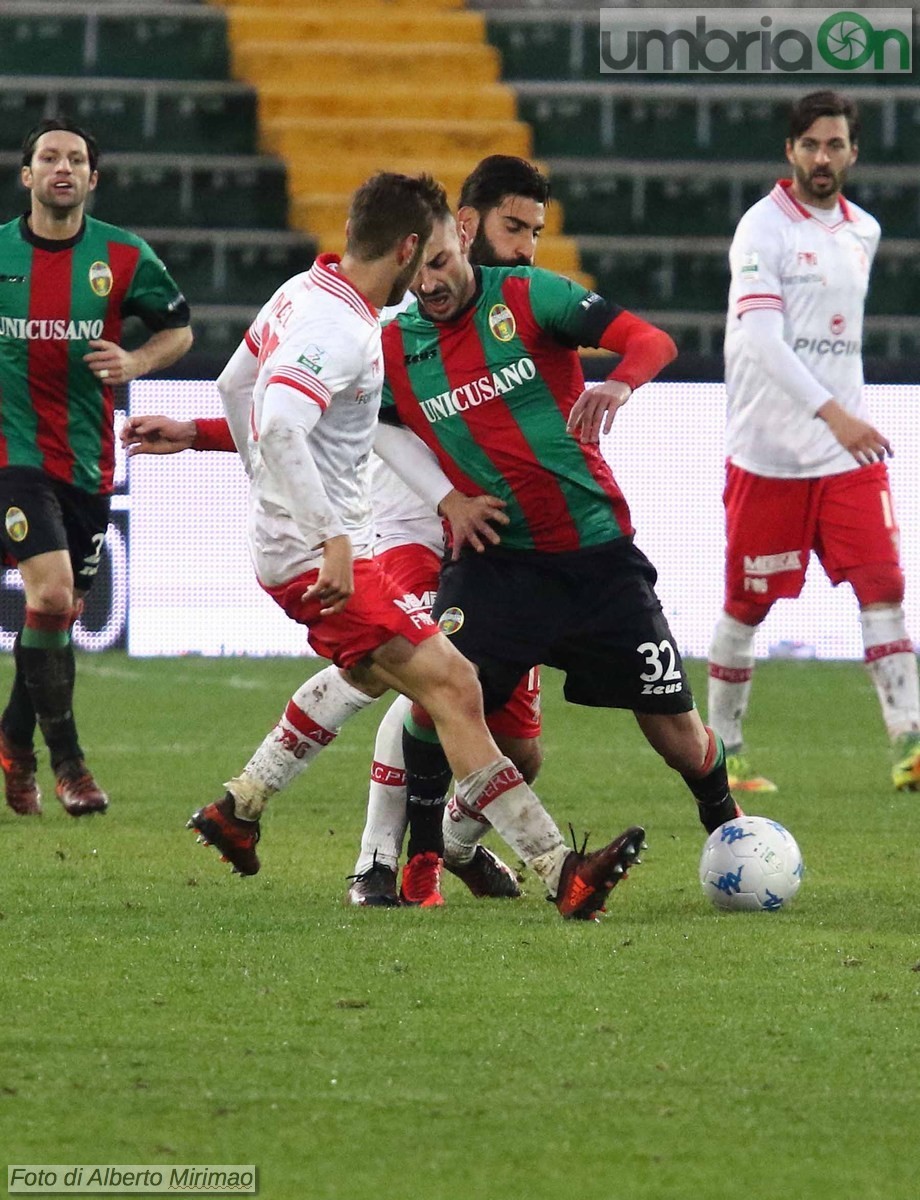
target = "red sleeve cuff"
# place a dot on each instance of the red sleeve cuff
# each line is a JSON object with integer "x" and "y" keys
{"x": 212, "y": 433}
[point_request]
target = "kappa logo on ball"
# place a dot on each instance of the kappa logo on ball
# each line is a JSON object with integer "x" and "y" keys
{"x": 451, "y": 620}
{"x": 17, "y": 525}
{"x": 101, "y": 278}
{"x": 502, "y": 322}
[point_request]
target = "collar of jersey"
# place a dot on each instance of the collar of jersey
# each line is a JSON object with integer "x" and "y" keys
{"x": 325, "y": 269}
{"x": 52, "y": 244}
{"x": 786, "y": 185}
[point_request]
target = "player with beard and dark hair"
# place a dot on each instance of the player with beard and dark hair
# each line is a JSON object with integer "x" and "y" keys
{"x": 806, "y": 467}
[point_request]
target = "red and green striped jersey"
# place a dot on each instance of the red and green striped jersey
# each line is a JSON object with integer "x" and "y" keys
{"x": 490, "y": 393}
{"x": 56, "y": 296}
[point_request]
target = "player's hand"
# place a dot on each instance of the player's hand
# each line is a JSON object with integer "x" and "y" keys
{"x": 862, "y": 440}
{"x": 111, "y": 364}
{"x": 336, "y": 582}
{"x": 472, "y": 520}
{"x": 595, "y": 405}
{"x": 156, "y": 434}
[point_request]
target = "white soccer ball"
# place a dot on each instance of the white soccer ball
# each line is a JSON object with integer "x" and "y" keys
{"x": 751, "y": 863}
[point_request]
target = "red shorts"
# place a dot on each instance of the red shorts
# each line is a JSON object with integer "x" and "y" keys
{"x": 415, "y": 569}
{"x": 378, "y": 611}
{"x": 772, "y": 526}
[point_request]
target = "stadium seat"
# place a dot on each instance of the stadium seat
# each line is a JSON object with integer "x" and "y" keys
{"x": 131, "y": 116}
{"x": 221, "y": 266}
{"x": 86, "y": 39}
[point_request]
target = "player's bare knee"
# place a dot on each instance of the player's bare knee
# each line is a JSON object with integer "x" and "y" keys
{"x": 876, "y": 583}
{"x": 51, "y": 597}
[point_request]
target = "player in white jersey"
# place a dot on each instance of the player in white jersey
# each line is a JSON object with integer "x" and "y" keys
{"x": 314, "y": 489}
{"x": 806, "y": 469}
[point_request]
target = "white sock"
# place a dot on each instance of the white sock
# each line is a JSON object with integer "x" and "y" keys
{"x": 731, "y": 670}
{"x": 313, "y": 717}
{"x": 385, "y": 826}
{"x": 892, "y": 664}
{"x": 462, "y": 828}
{"x": 517, "y": 816}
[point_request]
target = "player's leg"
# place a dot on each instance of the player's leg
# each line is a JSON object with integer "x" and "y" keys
{"x": 374, "y": 880}
{"x": 438, "y": 677}
{"x": 516, "y": 727}
{"x": 56, "y": 535}
{"x": 414, "y": 567}
{"x": 313, "y": 717}
{"x": 769, "y": 524}
{"x": 311, "y": 721}
{"x": 859, "y": 544}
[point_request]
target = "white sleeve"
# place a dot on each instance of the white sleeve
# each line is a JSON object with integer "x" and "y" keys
{"x": 235, "y": 384}
{"x": 762, "y": 331}
{"x": 409, "y": 458}
{"x": 285, "y": 450}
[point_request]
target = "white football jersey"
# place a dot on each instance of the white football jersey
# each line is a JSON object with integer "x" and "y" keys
{"x": 402, "y": 518}
{"x": 319, "y": 336}
{"x": 816, "y": 274}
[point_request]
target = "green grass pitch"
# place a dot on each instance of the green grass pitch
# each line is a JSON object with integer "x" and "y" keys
{"x": 157, "y": 1010}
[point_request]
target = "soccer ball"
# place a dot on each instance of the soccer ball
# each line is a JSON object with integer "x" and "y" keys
{"x": 751, "y": 863}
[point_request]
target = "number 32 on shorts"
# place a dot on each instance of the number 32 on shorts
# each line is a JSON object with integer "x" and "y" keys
{"x": 662, "y": 674}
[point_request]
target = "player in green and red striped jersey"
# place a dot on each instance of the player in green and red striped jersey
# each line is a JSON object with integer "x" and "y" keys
{"x": 485, "y": 371}
{"x": 67, "y": 282}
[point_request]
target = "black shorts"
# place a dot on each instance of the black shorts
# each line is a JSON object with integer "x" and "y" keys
{"x": 42, "y": 514}
{"x": 593, "y": 614}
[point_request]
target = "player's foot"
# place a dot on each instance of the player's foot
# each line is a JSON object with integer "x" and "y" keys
{"x": 743, "y": 778}
{"x": 905, "y": 774}
{"x": 714, "y": 815}
{"x": 234, "y": 839}
{"x": 374, "y": 888}
{"x": 486, "y": 875}
{"x": 588, "y": 879}
{"x": 421, "y": 881}
{"x": 76, "y": 789}
{"x": 22, "y": 791}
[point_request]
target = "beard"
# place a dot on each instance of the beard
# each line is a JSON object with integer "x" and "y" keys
{"x": 827, "y": 184}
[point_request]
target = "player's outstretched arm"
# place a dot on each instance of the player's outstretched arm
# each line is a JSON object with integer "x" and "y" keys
{"x": 157, "y": 434}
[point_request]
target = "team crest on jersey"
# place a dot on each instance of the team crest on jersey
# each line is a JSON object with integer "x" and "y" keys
{"x": 502, "y": 323}
{"x": 313, "y": 358}
{"x": 101, "y": 278}
{"x": 451, "y": 620}
{"x": 838, "y": 324}
{"x": 17, "y": 526}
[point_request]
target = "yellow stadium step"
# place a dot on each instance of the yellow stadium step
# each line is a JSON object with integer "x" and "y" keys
{"x": 493, "y": 102}
{"x": 316, "y": 139}
{"x": 347, "y": 24}
{"x": 376, "y": 66}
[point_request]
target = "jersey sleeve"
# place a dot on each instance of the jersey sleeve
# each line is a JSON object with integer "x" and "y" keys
{"x": 154, "y": 295}
{"x": 573, "y": 315}
{"x": 318, "y": 362}
{"x": 754, "y": 262}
